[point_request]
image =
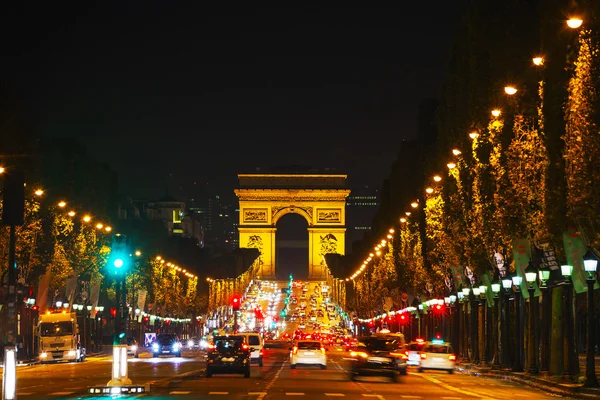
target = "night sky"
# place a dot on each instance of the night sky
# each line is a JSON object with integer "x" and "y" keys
{"x": 186, "y": 92}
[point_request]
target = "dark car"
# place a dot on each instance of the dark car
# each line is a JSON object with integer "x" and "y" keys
{"x": 228, "y": 354}
{"x": 166, "y": 343}
{"x": 377, "y": 356}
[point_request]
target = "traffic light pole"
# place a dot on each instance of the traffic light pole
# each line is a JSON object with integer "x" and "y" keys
{"x": 117, "y": 327}
{"x": 11, "y": 334}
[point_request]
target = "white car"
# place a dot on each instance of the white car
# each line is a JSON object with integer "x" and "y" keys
{"x": 308, "y": 352}
{"x": 437, "y": 355}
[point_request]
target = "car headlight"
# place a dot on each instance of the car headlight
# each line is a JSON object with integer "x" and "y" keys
{"x": 176, "y": 346}
{"x": 154, "y": 346}
{"x": 204, "y": 344}
{"x": 134, "y": 348}
{"x": 190, "y": 343}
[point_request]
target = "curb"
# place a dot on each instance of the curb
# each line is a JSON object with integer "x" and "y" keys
{"x": 552, "y": 388}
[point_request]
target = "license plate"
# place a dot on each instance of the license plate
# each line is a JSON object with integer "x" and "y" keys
{"x": 166, "y": 351}
{"x": 309, "y": 353}
{"x": 437, "y": 359}
{"x": 379, "y": 359}
{"x": 231, "y": 359}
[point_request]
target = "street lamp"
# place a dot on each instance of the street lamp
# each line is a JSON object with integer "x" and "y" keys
{"x": 574, "y": 22}
{"x": 519, "y": 340}
{"x": 496, "y": 287}
{"x": 531, "y": 274}
{"x": 590, "y": 263}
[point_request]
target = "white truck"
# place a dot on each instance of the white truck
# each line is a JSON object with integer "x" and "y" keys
{"x": 59, "y": 340}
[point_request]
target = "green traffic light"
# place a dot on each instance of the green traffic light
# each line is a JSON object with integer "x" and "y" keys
{"x": 118, "y": 263}
{"x": 121, "y": 335}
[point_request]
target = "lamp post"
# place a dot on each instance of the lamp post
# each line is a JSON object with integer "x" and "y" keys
{"x": 507, "y": 286}
{"x": 496, "y": 286}
{"x": 544, "y": 275}
{"x": 572, "y": 359}
{"x": 486, "y": 326}
{"x": 466, "y": 335}
{"x": 590, "y": 263}
{"x": 531, "y": 275}
{"x": 459, "y": 323}
{"x": 475, "y": 325}
{"x": 518, "y": 361}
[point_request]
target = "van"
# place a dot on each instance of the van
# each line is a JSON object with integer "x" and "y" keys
{"x": 255, "y": 341}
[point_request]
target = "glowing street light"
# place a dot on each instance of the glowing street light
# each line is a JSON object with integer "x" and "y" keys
{"x": 414, "y": 204}
{"x": 107, "y": 228}
{"x": 538, "y": 61}
{"x": 39, "y": 192}
{"x": 510, "y": 90}
{"x": 451, "y": 165}
{"x": 574, "y": 22}
{"x": 87, "y": 218}
{"x": 403, "y": 220}
{"x": 429, "y": 190}
{"x": 456, "y": 152}
{"x": 99, "y": 226}
{"x": 437, "y": 178}
{"x": 1, "y": 170}
{"x": 62, "y": 204}
{"x": 138, "y": 253}
{"x": 474, "y": 135}
{"x": 71, "y": 213}
{"x": 496, "y": 112}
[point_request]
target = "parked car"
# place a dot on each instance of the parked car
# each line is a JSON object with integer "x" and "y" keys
{"x": 228, "y": 354}
{"x": 166, "y": 343}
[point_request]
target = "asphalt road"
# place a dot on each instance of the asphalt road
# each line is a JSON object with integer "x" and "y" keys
{"x": 172, "y": 378}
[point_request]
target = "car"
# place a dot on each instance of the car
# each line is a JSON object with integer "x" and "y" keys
{"x": 228, "y": 354}
{"x": 133, "y": 347}
{"x": 413, "y": 352}
{"x": 166, "y": 343}
{"x": 256, "y": 342}
{"x": 376, "y": 356}
{"x": 308, "y": 352}
{"x": 437, "y": 355}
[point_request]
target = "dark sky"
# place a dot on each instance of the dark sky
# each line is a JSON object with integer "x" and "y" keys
{"x": 204, "y": 92}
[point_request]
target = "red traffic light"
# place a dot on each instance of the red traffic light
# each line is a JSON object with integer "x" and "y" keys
{"x": 113, "y": 312}
{"x": 235, "y": 301}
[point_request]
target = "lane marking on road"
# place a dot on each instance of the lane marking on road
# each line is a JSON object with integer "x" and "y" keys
{"x": 380, "y": 397}
{"x": 270, "y": 384}
{"x": 335, "y": 394}
{"x": 450, "y": 387}
{"x": 294, "y": 394}
{"x": 61, "y": 393}
{"x": 24, "y": 394}
{"x": 179, "y": 392}
{"x": 452, "y": 398}
{"x": 218, "y": 392}
{"x": 410, "y": 397}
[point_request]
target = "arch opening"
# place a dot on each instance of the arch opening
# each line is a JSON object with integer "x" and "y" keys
{"x": 292, "y": 247}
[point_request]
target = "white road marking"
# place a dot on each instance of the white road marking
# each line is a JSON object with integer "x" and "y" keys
{"x": 260, "y": 395}
{"x": 454, "y": 389}
{"x": 218, "y": 392}
{"x": 179, "y": 392}
{"x": 293, "y": 394}
{"x": 380, "y": 397}
{"x": 24, "y": 394}
{"x": 452, "y": 398}
{"x": 270, "y": 384}
{"x": 335, "y": 394}
{"x": 410, "y": 397}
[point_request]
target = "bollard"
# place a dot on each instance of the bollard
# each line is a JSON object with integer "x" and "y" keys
{"x": 124, "y": 370}
{"x": 9, "y": 374}
{"x": 119, "y": 367}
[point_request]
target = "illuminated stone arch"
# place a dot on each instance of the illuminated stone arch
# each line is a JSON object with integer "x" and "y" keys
{"x": 319, "y": 198}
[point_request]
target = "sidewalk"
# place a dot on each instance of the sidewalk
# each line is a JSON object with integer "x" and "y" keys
{"x": 553, "y": 384}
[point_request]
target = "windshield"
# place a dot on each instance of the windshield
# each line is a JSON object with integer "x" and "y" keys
{"x": 166, "y": 339}
{"x": 253, "y": 340}
{"x": 309, "y": 345}
{"x": 56, "y": 328}
{"x": 376, "y": 344}
{"x": 228, "y": 344}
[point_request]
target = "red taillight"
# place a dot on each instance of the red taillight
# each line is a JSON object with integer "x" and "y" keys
{"x": 423, "y": 356}
{"x": 245, "y": 346}
{"x": 295, "y": 350}
{"x": 211, "y": 347}
{"x": 323, "y": 350}
{"x": 452, "y": 357}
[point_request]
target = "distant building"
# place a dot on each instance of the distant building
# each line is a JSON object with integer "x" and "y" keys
{"x": 361, "y": 207}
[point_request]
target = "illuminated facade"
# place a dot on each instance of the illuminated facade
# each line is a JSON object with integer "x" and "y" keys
{"x": 319, "y": 198}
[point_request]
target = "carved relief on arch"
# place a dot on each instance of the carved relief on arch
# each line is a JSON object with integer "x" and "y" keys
{"x": 279, "y": 211}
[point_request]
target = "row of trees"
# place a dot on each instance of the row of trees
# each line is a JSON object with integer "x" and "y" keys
{"x": 529, "y": 171}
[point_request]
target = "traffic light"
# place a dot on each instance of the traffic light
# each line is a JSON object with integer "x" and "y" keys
{"x": 118, "y": 262}
{"x": 235, "y": 302}
{"x": 403, "y": 318}
{"x": 438, "y": 309}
